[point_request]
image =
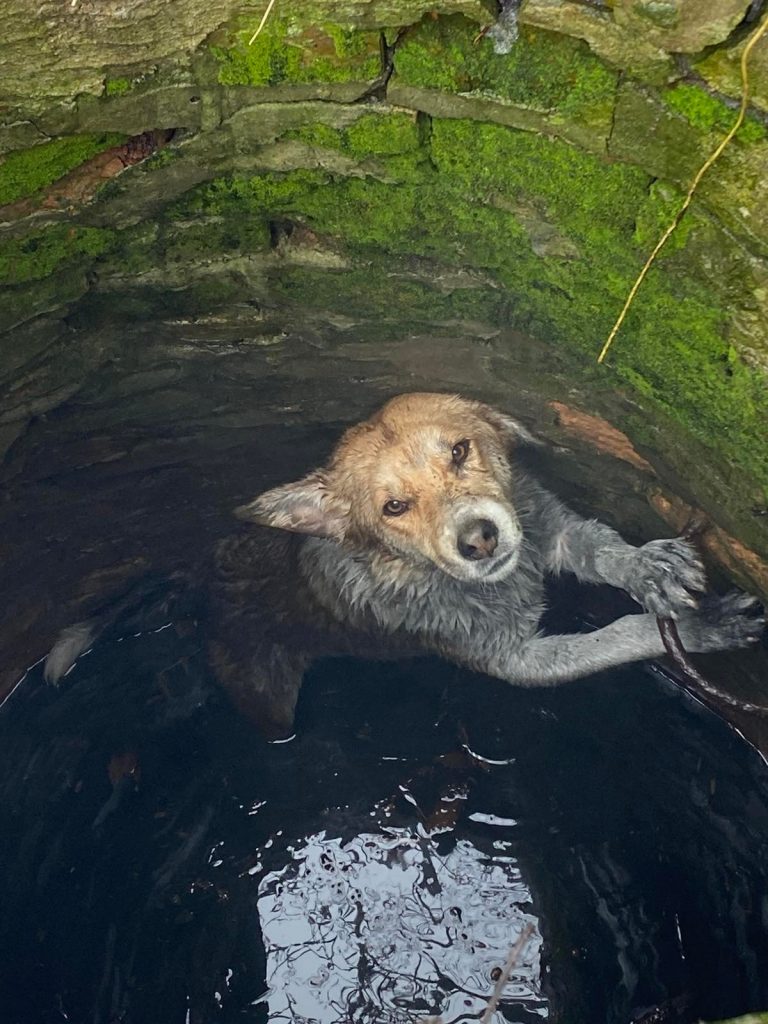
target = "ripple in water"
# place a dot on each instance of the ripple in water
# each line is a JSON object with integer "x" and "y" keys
{"x": 383, "y": 928}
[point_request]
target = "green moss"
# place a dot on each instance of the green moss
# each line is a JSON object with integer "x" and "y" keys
{"x": 544, "y": 71}
{"x": 199, "y": 296}
{"x": 135, "y": 252}
{"x": 267, "y": 193}
{"x": 382, "y": 135}
{"x": 458, "y": 208}
{"x": 288, "y": 50}
{"x": 38, "y": 255}
{"x": 706, "y": 112}
{"x": 392, "y": 139}
{"x": 117, "y": 86}
{"x": 27, "y": 171}
{"x": 349, "y": 42}
{"x": 672, "y": 347}
{"x": 437, "y": 55}
{"x": 161, "y": 158}
{"x": 317, "y": 134}
{"x": 655, "y": 215}
{"x": 203, "y": 240}
{"x": 197, "y": 241}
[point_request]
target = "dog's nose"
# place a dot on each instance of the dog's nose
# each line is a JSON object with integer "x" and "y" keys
{"x": 478, "y": 539}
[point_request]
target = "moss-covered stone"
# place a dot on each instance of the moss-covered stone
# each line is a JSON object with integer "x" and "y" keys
{"x": 544, "y": 71}
{"x": 709, "y": 113}
{"x": 161, "y": 158}
{"x": 386, "y": 291}
{"x": 38, "y": 255}
{"x": 440, "y": 211}
{"x": 193, "y": 242}
{"x": 27, "y": 171}
{"x": 393, "y": 140}
{"x": 117, "y": 86}
{"x": 21, "y": 304}
{"x": 459, "y": 207}
{"x": 382, "y": 133}
{"x": 632, "y": 52}
{"x": 679, "y": 26}
{"x": 650, "y": 134}
{"x": 654, "y": 218}
{"x": 289, "y": 50}
{"x": 721, "y": 68}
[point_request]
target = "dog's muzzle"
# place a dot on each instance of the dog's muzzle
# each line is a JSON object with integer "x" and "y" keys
{"x": 486, "y": 543}
{"x": 478, "y": 539}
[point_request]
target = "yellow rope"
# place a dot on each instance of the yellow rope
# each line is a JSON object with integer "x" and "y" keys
{"x": 262, "y": 23}
{"x": 756, "y": 35}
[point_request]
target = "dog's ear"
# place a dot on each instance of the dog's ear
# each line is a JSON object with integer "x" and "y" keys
{"x": 306, "y": 506}
{"x": 511, "y": 430}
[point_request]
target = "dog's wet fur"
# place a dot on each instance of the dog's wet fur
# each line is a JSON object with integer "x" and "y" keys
{"x": 423, "y": 534}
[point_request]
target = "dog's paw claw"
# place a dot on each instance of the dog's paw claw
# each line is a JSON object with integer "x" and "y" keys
{"x": 723, "y": 623}
{"x": 663, "y": 575}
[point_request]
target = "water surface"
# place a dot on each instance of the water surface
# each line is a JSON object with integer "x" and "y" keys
{"x": 161, "y": 863}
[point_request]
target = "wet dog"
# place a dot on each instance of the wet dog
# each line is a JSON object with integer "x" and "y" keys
{"x": 423, "y": 535}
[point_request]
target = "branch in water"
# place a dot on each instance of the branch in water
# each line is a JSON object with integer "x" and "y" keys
{"x": 674, "y": 646}
{"x": 503, "y": 978}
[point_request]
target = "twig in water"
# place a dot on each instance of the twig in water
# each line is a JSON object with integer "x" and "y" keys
{"x": 759, "y": 31}
{"x": 503, "y": 978}
{"x": 674, "y": 648}
{"x": 698, "y": 682}
{"x": 262, "y": 23}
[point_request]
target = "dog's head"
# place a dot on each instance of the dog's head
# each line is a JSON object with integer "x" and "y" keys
{"x": 427, "y": 477}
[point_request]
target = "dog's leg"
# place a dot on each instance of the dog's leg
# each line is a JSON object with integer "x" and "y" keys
{"x": 659, "y": 575}
{"x": 263, "y": 685}
{"x": 721, "y": 623}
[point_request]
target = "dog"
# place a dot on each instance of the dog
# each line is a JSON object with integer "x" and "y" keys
{"x": 423, "y": 535}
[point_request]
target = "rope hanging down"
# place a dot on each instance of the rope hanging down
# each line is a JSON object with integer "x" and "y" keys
{"x": 756, "y": 35}
{"x": 262, "y": 23}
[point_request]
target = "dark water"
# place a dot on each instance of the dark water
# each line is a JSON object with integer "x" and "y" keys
{"x": 161, "y": 864}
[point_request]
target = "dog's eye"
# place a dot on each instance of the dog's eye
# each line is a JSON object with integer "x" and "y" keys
{"x": 459, "y": 452}
{"x": 393, "y": 507}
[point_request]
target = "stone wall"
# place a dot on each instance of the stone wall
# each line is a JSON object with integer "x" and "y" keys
{"x": 378, "y": 167}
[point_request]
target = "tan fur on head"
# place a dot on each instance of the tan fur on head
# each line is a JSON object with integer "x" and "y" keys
{"x": 427, "y": 477}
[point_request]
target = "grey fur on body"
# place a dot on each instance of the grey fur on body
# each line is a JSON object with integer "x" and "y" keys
{"x": 364, "y": 594}
{"x": 343, "y": 575}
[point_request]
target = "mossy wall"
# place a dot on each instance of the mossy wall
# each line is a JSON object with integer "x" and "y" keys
{"x": 25, "y": 172}
{"x": 439, "y": 182}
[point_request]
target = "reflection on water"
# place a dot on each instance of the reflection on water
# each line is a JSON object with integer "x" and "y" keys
{"x": 381, "y": 928}
{"x": 162, "y": 865}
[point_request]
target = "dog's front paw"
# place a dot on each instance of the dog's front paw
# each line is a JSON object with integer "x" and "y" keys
{"x": 662, "y": 575}
{"x": 723, "y": 623}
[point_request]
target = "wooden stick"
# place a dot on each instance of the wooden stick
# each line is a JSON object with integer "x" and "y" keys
{"x": 674, "y": 648}
{"x": 503, "y": 978}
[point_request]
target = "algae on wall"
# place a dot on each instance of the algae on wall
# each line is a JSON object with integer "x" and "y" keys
{"x": 416, "y": 155}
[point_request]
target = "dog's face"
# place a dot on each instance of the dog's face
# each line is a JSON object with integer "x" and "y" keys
{"x": 427, "y": 478}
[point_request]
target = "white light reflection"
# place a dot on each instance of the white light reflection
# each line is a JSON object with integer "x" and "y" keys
{"x": 382, "y": 928}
